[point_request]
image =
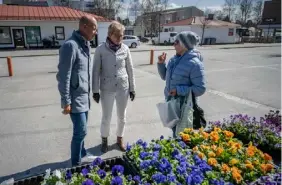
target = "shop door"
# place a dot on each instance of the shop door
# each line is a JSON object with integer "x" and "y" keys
{"x": 18, "y": 37}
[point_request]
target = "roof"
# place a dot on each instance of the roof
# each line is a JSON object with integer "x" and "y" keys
{"x": 59, "y": 13}
{"x": 200, "y": 21}
{"x": 167, "y": 11}
{"x": 182, "y": 22}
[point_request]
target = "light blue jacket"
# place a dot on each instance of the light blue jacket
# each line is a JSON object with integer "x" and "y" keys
{"x": 74, "y": 73}
{"x": 184, "y": 73}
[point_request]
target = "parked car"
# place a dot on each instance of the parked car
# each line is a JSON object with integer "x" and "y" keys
{"x": 143, "y": 39}
{"x": 166, "y": 38}
{"x": 131, "y": 41}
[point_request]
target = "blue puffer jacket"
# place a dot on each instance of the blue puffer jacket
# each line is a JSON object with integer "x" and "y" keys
{"x": 184, "y": 73}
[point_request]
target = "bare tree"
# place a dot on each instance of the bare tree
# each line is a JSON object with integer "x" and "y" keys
{"x": 218, "y": 14}
{"x": 245, "y": 10}
{"x": 135, "y": 8}
{"x": 229, "y": 8}
{"x": 257, "y": 11}
{"x": 108, "y": 9}
{"x": 151, "y": 11}
{"x": 204, "y": 21}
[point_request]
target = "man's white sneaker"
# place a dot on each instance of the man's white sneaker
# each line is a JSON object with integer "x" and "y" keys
{"x": 88, "y": 159}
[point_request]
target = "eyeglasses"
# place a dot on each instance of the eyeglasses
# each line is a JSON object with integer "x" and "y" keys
{"x": 118, "y": 35}
{"x": 176, "y": 42}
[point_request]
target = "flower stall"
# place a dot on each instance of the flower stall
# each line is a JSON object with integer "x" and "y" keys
{"x": 234, "y": 151}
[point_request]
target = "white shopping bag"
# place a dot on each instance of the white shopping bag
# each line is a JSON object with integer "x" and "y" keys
{"x": 169, "y": 112}
{"x": 8, "y": 182}
{"x": 186, "y": 120}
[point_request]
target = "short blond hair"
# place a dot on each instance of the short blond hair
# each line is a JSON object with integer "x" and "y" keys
{"x": 115, "y": 27}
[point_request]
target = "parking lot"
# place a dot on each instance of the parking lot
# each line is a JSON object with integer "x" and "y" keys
{"x": 34, "y": 135}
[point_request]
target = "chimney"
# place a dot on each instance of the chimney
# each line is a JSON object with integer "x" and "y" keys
{"x": 210, "y": 16}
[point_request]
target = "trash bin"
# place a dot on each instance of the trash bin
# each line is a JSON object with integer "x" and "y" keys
{"x": 213, "y": 41}
{"x": 207, "y": 41}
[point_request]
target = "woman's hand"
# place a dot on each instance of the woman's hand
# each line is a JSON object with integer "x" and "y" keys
{"x": 173, "y": 92}
{"x": 162, "y": 58}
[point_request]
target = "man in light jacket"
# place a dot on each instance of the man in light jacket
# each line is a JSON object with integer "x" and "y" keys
{"x": 113, "y": 78}
{"x": 74, "y": 78}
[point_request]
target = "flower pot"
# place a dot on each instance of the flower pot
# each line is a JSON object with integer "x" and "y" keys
{"x": 106, "y": 165}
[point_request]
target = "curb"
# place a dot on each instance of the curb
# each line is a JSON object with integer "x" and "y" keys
{"x": 145, "y": 50}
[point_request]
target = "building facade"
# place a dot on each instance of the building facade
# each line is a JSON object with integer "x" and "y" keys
{"x": 271, "y": 18}
{"x": 26, "y": 2}
{"x": 222, "y": 32}
{"x": 29, "y": 26}
{"x": 149, "y": 23}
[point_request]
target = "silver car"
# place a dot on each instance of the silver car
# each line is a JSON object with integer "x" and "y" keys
{"x": 131, "y": 41}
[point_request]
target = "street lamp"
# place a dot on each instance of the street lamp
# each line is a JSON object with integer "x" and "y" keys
{"x": 159, "y": 36}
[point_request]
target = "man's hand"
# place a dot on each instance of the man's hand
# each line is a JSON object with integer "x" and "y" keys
{"x": 162, "y": 58}
{"x": 96, "y": 97}
{"x": 132, "y": 95}
{"x": 67, "y": 110}
{"x": 173, "y": 92}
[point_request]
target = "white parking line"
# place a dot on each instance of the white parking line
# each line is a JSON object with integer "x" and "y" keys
{"x": 224, "y": 95}
{"x": 248, "y": 67}
{"x": 241, "y": 100}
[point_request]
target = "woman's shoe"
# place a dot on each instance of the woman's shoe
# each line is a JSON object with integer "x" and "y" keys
{"x": 120, "y": 144}
{"x": 104, "y": 147}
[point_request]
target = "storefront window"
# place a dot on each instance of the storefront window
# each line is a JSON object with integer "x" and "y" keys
{"x": 60, "y": 33}
{"x": 5, "y": 35}
{"x": 33, "y": 35}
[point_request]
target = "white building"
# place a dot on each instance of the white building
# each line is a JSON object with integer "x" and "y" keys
{"x": 27, "y": 26}
{"x": 223, "y": 32}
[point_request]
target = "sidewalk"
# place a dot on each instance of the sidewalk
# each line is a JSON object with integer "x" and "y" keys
{"x": 142, "y": 48}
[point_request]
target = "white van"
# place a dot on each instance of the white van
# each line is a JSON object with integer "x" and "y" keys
{"x": 166, "y": 38}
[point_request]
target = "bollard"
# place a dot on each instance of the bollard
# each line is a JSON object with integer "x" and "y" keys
{"x": 10, "y": 67}
{"x": 152, "y": 57}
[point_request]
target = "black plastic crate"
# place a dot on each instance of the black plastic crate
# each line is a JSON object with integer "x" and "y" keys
{"x": 135, "y": 170}
{"x": 106, "y": 165}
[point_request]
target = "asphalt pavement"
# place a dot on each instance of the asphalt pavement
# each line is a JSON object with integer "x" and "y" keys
{"x": 35, "y": 136}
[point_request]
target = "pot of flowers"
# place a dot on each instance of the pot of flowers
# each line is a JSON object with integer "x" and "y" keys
{"x": 236, "y": 163}
{"x": 264, "y": 133}
{"x": 169, "y": 161}
{"x": 104, "y": 172}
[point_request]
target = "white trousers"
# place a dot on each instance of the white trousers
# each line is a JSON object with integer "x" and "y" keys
{"x": 107, "y": 102}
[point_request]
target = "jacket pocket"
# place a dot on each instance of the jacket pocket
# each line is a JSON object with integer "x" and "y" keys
{"x": 83, "y": 84}
{"x": 123, "y": 82}
{"x": 74, "y": 81}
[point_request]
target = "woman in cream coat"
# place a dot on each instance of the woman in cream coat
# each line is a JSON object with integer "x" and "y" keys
{"x": 113, "y": 79}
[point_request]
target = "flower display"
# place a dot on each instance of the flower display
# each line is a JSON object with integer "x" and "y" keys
{"x": 269, "y": 179}
{"x": 170, "y": 161}
{"x": 230, "y": 152}
{"x": 227, "y": 155}
{"x": 264, "y": 133}
{"x": 90, "y": 176}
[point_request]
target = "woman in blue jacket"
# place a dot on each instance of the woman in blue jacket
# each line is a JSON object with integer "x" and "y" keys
{"x": 184, "y": 71}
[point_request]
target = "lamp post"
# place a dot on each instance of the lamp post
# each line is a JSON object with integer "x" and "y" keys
{"x": 159, "y": 38}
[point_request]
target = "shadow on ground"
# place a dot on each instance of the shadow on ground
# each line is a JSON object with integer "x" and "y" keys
{"x": 37, "y": 170}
